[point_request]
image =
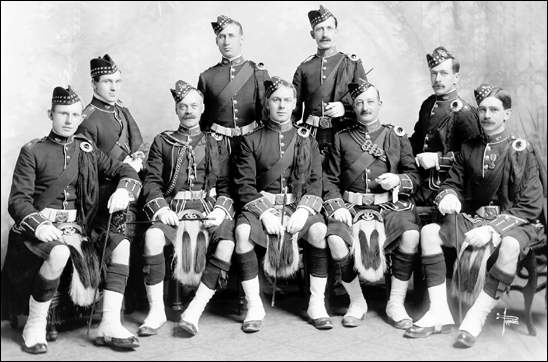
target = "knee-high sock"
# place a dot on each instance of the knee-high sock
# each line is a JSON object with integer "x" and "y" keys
{"x": 196, "y": 307}
{"x": 395, "y": 308}
{"x": 116, "y": 279}
{"x": 154, "y": 269}
{"x": 156, "y": 314}
{"x": 248, "y": 265}
{"x": 318, "y": 261}
{"x": 475, "y": 317}
{"x": 438, "y": 314}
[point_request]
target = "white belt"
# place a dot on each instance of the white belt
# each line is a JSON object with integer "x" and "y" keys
{"x": 358, "y": 198}
{"x": 278, "y": 199}
{"x": 59, "y": 215}
{"x": 234, "y": 131}
{"x": 190, "y": 195}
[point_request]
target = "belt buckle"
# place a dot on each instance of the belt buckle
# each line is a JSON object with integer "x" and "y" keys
{"x": 61, "y": 216}
{"x": 68, "y": 230}
{"x": 325, "y": 122}
{"x": 278, "y": 199}
{"x": 236, "y": 131}
{"x": 368, "y": 199}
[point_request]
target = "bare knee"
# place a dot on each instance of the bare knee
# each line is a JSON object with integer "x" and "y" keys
{"x": 59, "y": 256}
{"x": 224, "y": 250}
{"x": 337, "y": 246}
{"x": 316, "y": 235}
{"x": 243, "y": 245}
{"x": 430, "y": 239}
{"x": 154, "y": 241}
{"x": 120, "y": 254}
{"x": 509, "y": 249}
{"x": 410, "y": 241}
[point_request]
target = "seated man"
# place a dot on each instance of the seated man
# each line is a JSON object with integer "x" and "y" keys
{"x": 278, "y": 172}
{"x": 495, "y": 182}
{"x": 53, "y": 201}
{"x": 182, "y": 171}
{"x": 371, "y": 174}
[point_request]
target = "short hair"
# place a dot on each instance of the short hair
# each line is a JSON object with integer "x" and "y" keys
{"x": 502, "y": 96}
{"x": 456, "y": 65}
{"x": 232, "y": 21}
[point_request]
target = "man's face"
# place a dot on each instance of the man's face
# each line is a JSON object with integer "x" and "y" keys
{"x": 443, "y": 79}
{"x": 189, "y": 109}
{"x": 367, "y": 106}
{"x": 493, "y": 116}
{"x": 108, "y": 86}
{"x": 281, "y": 104}
{"x": 325, "y": 33}
{"x": 65, "y": 119}
{"x": 229, "y": 41}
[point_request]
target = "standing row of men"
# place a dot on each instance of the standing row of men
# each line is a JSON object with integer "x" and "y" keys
{"x": 249, "y": 166}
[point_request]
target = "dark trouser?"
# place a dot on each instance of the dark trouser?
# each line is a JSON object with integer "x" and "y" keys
{"x": 402, "y": 265}
{"x": 154, "y": 268}
{"x": 248, "y": 265}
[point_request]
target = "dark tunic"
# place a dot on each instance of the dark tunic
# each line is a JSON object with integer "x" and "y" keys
{"x": 260, "y": 152}
{"x": 314, "y": 85}
{"x": 343, "y": 174}
{"x": 502, "y": 171}
{"x": 40, "y": 165}
{"x": 168, "y": 172}
{"x": 445, "y": 122}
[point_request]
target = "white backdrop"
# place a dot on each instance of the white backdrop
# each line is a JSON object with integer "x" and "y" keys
{"x": 50, "y": 44}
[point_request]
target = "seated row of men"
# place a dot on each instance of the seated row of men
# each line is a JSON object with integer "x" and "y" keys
{"x": 222, "y": 183}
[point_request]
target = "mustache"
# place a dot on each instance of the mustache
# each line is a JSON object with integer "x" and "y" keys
{"x": 362, "y": 113}
{"x": 189, "y": 116}
{"x": 325, "y": 38}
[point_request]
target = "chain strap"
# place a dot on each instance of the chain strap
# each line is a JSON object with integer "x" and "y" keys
{"x": 368, "y": 146}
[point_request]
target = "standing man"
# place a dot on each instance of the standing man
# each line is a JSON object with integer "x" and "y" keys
{"x": 495, "y": 190}
{"x": 53, "y": 201}
{"x": 233, "y": 88}
{"x": 445, "y": 122}
{"x": 182, "y": 170}
{"x": 322, "y": 82}
{"x": 113, "y": 129}
{"x": 371, "y": 169}
{"x": 278, "y": 170}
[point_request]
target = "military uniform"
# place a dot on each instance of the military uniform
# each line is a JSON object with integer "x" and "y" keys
{"x": 445, "y": 122}
{"x": 278, "y": 169}
{"x": 55, "y": 182}
{"x": 323, "y": 78}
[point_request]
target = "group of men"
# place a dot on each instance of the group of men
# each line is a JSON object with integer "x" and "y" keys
{"x": 258, "y": 160}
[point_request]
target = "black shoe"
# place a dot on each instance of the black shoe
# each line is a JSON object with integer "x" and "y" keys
{"x": 465, "y": 340}
{"x": 118, "y": 343}
{"x": 51, "y": 335}
{"x": 322, "y": 323}
{"x": 36, "y": 348}
{"x": 187, "y": 327}
{"x": 252, "y": 326}
{"x": 422, "y": 332}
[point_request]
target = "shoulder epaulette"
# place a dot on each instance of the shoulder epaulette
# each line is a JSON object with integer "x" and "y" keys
{"x": 260, "y": 66}
{"x": 307, "y": 59}
{"x": 519, "y": 144}
{"x": 347, "y": 129}
{"x": 352, "y": 57}
{"x": 29, "y": 145}
{"x": 88, "y": 111}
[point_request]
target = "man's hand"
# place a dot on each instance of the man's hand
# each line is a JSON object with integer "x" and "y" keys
{"x": 334, "y": 109}
{"x": 218, "y": 215}
{"x": 119, "y": 200}
{"x": 388, "y": 181}
{"x": 343, "y": 215}
{"x": 450, "y": 204}
{"x": 479, "y": 236}
{"x": 428, "y": 160}
{"x": 168, "y": 217}
{"x": 136, "y": 163}
{"x": 297, "y": 220}
{"x": 272, "y": 224}
{"x": 47, "y": 233}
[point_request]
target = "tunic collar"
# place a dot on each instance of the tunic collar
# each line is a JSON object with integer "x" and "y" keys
{"x": 448, "y": 97}
{"x": 54, "y": 137}
{"x": 102, "y": 105}
{"x": 496, "y": 138}
{"x": 234, "y": 61}
{"x": 279, "y": 127}
{"x": 194, "y": 131}
{"x": 371, "y": 127}
{"x": 326, "y": 53}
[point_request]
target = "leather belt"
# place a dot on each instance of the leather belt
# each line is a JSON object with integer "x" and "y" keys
{"x": 59, "y": 215}
{"x": 278, "y": 199}
{"x": 236, "y": 131}
{"x": 319, "y": 122}
{"x": 190, "y": 195}
{"x": 366, "y": 199}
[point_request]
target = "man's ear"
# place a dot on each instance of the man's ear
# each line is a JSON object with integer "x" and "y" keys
{"x": 507, "y": 114}
{"x": 312, "y": 34}
{"x": 50, "y": 114}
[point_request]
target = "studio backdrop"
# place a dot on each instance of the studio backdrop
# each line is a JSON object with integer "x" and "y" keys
{"x": 156, "y": 43}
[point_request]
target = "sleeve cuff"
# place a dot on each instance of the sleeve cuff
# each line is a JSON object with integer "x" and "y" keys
{"x": 312, "y": 203}
{"x": 258, "y": 206}
{"x": 226, "y": 204}
{"x": 406, "y": 185}
{"x": 333, "y": 205}
{"x": 506, "y": 222}
{"x": 446, "y": 160}
{"x": 132, "y": 186}
{"x": 153, "y": 206}
{"x": 442, "y": 194}
{"x": 32, "y": 221}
